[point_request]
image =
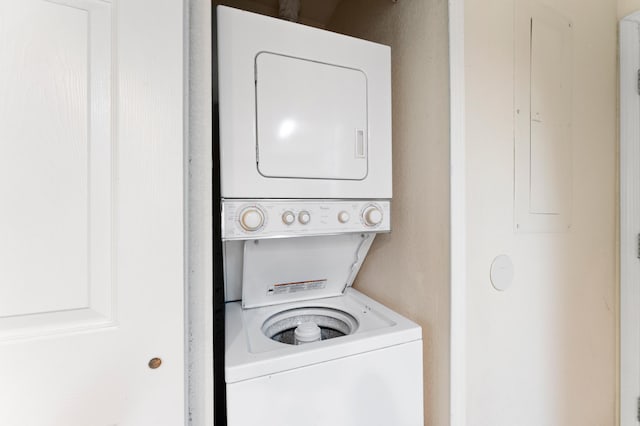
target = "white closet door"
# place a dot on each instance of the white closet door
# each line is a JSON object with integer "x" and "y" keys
{"x": 91, "y": 213}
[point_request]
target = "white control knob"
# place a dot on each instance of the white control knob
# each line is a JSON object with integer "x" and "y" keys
{"x": 372, "y": 216}
{"x": 304, "y": 217}
{"x": 343, "y": 217}
{"x": 251, "y": 219}
{"x": 288, "y": 218}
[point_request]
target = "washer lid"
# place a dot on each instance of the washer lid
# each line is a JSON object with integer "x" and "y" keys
{"x": 292, "y": 269}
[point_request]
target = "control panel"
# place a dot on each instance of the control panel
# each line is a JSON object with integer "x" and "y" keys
{"x": 255, "y": 219}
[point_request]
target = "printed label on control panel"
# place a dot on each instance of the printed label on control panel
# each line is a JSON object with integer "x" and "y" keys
{"x": 296, "y": 287}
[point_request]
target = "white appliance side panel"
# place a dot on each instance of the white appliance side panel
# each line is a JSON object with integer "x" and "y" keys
{"x": 233, "y": 259}
{"x": 382, "y": 387}
{"x": 311, "y": 119}
{"x": 237, "y": 51}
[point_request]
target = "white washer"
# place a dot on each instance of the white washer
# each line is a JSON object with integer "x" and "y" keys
{"x": 372, "y": 376}
{"x": 367, "y": 367}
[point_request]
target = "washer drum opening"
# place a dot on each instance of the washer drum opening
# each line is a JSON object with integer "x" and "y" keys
{"x": 332, "y": 322}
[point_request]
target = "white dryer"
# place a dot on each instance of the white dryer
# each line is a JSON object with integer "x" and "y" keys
{"x": 304, "y": 113}
{"x": 305, "y": 184}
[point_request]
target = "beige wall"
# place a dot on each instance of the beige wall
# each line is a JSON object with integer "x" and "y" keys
{"x": 626, "y": 7}
{"x": 271, "y": 9}
{"x": 408, "y": 269}
{"x": 544, "y": 351}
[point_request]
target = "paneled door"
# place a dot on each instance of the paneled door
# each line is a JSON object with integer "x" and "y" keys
{"x": 91, "y": 213}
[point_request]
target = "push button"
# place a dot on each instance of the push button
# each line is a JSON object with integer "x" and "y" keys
{"x": 288, "y": 218}
{"x": 304, "y": 217}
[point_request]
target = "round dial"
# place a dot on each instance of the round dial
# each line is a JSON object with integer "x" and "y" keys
{"x": 372, "y": 216}
{"x": 251, "y": 218}
{"x": 288, "y": 217}
{"x": 304, "y": 217}
{"x": 343, "y": 217}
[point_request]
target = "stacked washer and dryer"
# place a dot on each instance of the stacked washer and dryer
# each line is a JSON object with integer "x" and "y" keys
{"x": 305, "y": 184}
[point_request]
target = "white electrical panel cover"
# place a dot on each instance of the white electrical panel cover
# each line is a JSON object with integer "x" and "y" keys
{"x": 304, "y": 113}
{"x": 543, "y": 53}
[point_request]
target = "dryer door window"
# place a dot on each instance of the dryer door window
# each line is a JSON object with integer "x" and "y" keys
{"x": 311, "y": 119}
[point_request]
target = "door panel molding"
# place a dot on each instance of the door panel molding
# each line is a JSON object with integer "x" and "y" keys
{"x": 71, "y": 148}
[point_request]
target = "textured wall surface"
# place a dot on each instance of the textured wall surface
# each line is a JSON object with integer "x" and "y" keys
{"x": 544, "y": 351}
{"x": 408, "y": 270}
{"x": 312, "y": 12}
{"x": 626, "y": 7}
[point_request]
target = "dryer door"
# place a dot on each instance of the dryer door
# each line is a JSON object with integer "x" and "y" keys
{"x": 311, "y": 119}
